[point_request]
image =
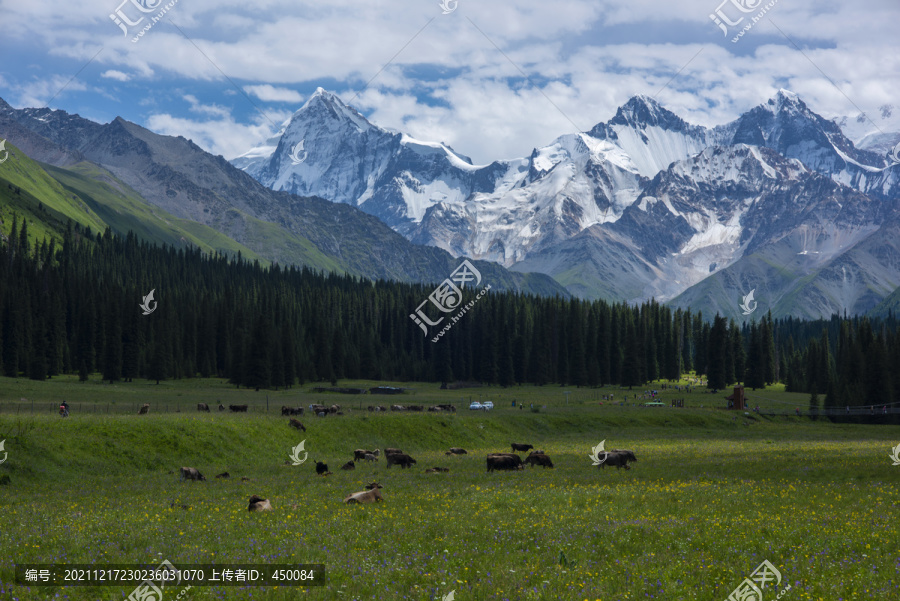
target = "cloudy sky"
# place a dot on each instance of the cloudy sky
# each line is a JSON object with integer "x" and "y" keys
{"x": 492, "y": 79}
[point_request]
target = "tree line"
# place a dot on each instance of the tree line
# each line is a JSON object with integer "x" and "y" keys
{"x": 73, "y": 308}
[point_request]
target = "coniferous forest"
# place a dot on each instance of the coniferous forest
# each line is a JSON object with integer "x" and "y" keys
{"x": 73, "y": 308}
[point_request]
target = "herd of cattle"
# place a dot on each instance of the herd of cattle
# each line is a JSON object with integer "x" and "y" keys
{"x": 316, "y": 409}
{"x": 393, "y": 456}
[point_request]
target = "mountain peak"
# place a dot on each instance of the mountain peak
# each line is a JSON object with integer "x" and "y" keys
{"x": 642, "y": 111}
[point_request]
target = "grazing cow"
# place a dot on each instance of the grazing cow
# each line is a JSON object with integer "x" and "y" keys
{"x": 398, "y": 408}
{"x": 316, "y": 408}
{"x": 401, "y": 459}
{"x": 434, "y": 470}
{"x": 349, "y": 466}
{"x": 446, "y": 407}
{"x": 295, "y": 423}
{"x": 538, "y": 459}
{"x": 458, "y": 451}
{"x": 190, "y": 473}
{"x": 322, "y": 468}
{"x": 366, "y": 496}
{"x": 370, "y": 408}
{"x": 223, "y": 475}
{"x": 334, "y": 409}
{"x": 389, "y": 451}
{"x": 145, "y": 408}
{"x": 257, "y": 503}
{"x": 370, "y": 457}
{"x": 416, "y": 408}
{"x": 202, "y": 407}
{"x": 238, "y": 408}
{"x": 221, "y": 407}
{"x": 619, "y": 459}
{"x": 521, "y": 447}
{"x": 372, "y": 485}
{"x": 504, "y": 462}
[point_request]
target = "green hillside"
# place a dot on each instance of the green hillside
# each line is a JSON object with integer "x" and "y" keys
{"x": 28, "y": 190}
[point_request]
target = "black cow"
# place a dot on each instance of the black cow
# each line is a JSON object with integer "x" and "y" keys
{"x": 401, "y": 459}
{"x": 458, "y": 451}
{"x": 202, "y": 407}
{"x": 349, "y": 466}
{"x": 322, "y": 468}
{"x": 538, "y": 459}
{"x": 521, "y": 447}
{"x": 238, "y": 408}
{"x": 619, "y": 459}
{"x": 504, "y": 462}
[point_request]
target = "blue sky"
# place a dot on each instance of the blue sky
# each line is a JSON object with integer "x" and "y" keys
{"x": 492, "y": 79}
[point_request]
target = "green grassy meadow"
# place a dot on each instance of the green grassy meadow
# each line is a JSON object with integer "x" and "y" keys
{"x": 712, "y": 495}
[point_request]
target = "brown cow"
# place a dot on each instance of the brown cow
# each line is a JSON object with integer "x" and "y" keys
{"x": 295, "y": 423}
{"x": 238, "y": 408}
{"x": 521, "y": 447}
{"x": 145, "y": 408}
{"x": 257, "y": 503}
{"x": 349, "y": 466}
{"x": 401, "y": 459}
{"x": 366, "y": 496}
{"x": 202, "y": 407}
{"x": 538, "y": 459}
{"x": 190, "y": 473}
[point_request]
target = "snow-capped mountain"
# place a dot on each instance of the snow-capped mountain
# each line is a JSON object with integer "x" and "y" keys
{"x": 643, "y": 205}
{"x": 877, "y": 131}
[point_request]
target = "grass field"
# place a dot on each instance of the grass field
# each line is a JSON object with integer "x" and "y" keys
{"x": 712, "y": 495}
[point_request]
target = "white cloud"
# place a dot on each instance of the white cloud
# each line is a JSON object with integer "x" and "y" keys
{"x": 223, "y": 136}
{"x": 114, "y": 74}
{"x": 270, "y": 93}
